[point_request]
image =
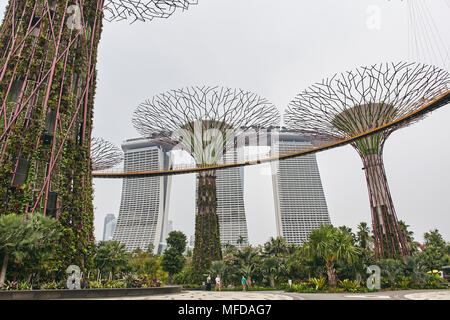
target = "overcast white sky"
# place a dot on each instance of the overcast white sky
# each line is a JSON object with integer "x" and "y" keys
{"x": 277, "y": 49}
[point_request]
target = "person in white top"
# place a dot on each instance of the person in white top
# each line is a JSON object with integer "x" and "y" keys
{"x": 217, "y": 283}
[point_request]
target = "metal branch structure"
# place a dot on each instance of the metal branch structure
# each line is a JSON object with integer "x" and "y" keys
{"x": 204, "y": 121}
{"x": 356, "y": 101}
{"x": 143, "y": 10}
{"x": 104, "y": 154}
{"x": 48, "y": 57}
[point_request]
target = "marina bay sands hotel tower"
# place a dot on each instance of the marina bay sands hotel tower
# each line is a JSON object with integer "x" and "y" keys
{"x": 300, "y": 204}
{"x": 143, "y": 213}
{"x": 144, "y": 208}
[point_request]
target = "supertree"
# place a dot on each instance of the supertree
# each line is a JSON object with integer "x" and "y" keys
{"x": 104, "y": 154}
{"x": 354, "y": 102}
{"x": 204, "y": 121}
{"x": 139, "y": 10}
{"x": 48, "y": 57}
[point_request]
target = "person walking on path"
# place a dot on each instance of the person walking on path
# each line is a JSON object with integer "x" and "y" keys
{"x": 208, "y": 283}
{"x": 244, "y": 283}
{"x": 217, "y": 283}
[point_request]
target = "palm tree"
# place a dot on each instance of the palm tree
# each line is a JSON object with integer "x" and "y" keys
{"x": 240, "y": 240}
{"x": 332, "y": 245}
{"x": 111, "y": 256}
{"x": 20, "y": 238}
{"x": 390, "y": 269}
{"x": 247, "y": 255}
{"x": 276, "y": 247}
{"x": 248, "y": 270}
{"x": 13, "y": 238}
{"x": 363, "y": 236}
{"x": 43, "y": 257}
{"x": 413, "y": 246}
{"x": 218, "y": 267}
{"x": 415, "y": 269}
{"x": 271, "y": 269}
{"x": 228, "y": 248}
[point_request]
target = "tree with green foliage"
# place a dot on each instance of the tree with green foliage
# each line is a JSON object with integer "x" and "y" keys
{"x": 248, "y": 270}
{"x": 218, "y": 268}
{"x": 415, "y": 269}
{"x": 349, "y": 231}
{"x": 390, "y": 270}
{"x": 272, "y": 269}
{"x": 228, "y": 249}
{"x": 173, "y": 260}
{"x": 276, "y": 247}
{"x": 177, "y": 240}
{"x": 330, "y": 254}
{"x": 363, "y": 237}
{"x": 22, "y": 237}
{"x": 43, "y": 258}
{"x": 15, "y": 236}
{"x": 435, "y": 253}
{"x": 111, "y": 257}
{"x": 434, "y": 239}
{"x": 413, "y": 246}
{"x": 332, "y": 245}
{"x": 144, "y": 264}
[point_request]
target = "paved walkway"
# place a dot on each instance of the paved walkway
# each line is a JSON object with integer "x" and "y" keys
{"x": 217, "y": 295}
{"x": 383, "y": 295}
{"x": 438, "y": 295}
{"x": 281, "y": 295}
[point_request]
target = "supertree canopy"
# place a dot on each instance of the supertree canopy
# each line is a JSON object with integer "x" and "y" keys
{"x": 48, "y": 57}
{"x": 356, "y": 101}
{"x": 104, "y": 154}
{"x": 140, "y": 10}
{"x": 204, "y": 121}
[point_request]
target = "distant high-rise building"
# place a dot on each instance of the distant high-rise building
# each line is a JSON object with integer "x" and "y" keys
{"x": 144, "y": 205}
{"x": 230, "y": 203}
{"x": 191, "y": 243}
{"x": 109, "y": 226}
{"x": 300, "y": 204}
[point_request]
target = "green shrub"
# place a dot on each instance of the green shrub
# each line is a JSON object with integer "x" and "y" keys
{"x": 49, "y": 285}
{"x": 10, "y": 285}
{"x": 432, "y": 284}
{"x": 24, "y": 285}
{"x": 403, "y": 283}
{"x": 111, "y": 284}
{"x": 133, "y": 281}
{"x": 319, "y": 283}
{"x": 303, "y": 288}
{"x": 349, "y": 285}
{"x": 95, "y": 284}
{"x": 14, "y": 285}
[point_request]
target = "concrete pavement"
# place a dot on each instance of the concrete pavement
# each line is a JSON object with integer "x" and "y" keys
{"x": 281, "y": 295}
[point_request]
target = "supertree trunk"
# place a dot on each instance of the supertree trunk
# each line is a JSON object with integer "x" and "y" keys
{"x": 388, "y": 237}
{"x": 207, "y": 236}
{"x": 48, "y": 54}
{"x": 204, "y": 121}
